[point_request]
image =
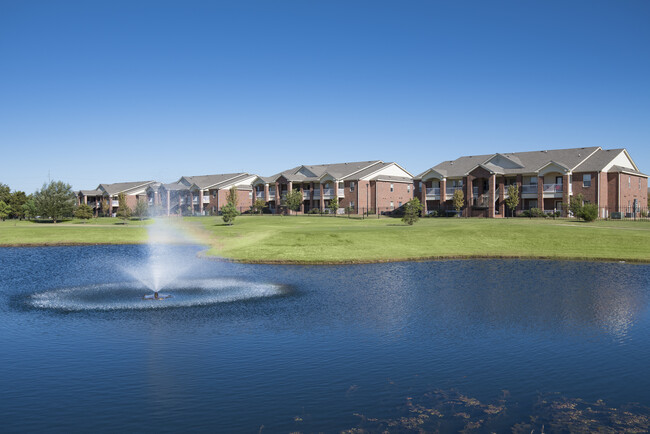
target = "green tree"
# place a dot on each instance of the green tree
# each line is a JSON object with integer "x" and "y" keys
{"x": 293, "y": 200}
{"x": 123, "y": 210}
{"x": 5, "y": 210}
{"x": 458, "y": 200}
{"x": 5, "y": 193}
{"x": 228, "y": 213}
{"x": 105, "y": 207}
{"x": 412, "y": 210}
{"x": 258, "y": 206}
{"x": 232, "y": 197}
{"x": 84, "y": 212}
{"x": 513, "y": 198}
{"x": 575, "y": 205}
{"x": 29, "y": 208}
{"x": 54, "y": 200}
{"x": 17, "y": 200}
{"x": 141, "y": 209}
{"x": 334, "y": 204}
{"x": 589, "y": 212}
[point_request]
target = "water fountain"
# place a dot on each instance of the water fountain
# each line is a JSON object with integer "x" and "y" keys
{"x": 170, "y": 265}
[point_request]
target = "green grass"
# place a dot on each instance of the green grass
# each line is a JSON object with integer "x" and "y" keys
{"x": 95, "y": 231}
{"x": 310, "y": 239}
{"x": 307, "y": 239}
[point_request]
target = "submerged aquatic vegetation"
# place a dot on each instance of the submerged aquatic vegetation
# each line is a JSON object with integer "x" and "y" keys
{"x": 451, "y": 411}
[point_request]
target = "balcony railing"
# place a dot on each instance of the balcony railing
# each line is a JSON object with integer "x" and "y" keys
{"x": 552, "y": 188}
{"x": 482, "y": 200}
{"x": 341, "y": 192}
{"x": 271, "y": 194}
{"x": 435, "y": 191}
{"x": 529, "y": 189}
{"x": 115, "y": 203}
{"x": 316, "y": 194}
{"x": 306, "y": 194}
{"x": 450, "y": 190}
{"x": 195, "y": 200}
{"x": 206, "y": 199}
{"x": 328, "y": 192}
{"x": 259, "y": 194}
{"x": 474, "y": 191}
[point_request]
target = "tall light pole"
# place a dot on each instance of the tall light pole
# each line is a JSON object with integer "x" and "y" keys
{"x": 367, "y": 195}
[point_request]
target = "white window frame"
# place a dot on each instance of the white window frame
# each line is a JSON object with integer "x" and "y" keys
{"x": 586, "y": 183}
{"x": 392, "y": 187}
{"x": 408, "y": 187}
{"x": 351, "y": 186}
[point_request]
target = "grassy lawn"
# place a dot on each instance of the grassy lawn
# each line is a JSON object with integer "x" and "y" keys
{"x": 306, "y": 239}
{"x": 95, "y": 231}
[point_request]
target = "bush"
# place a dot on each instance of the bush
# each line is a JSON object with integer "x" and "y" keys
{"x": 536, "y": 212}
{"x": 589, "y": 212}
{"x": 314, "y": 211}
{"x": 433, "y": 213}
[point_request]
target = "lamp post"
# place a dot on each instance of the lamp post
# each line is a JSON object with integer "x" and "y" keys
{"x": 367, "y": 195}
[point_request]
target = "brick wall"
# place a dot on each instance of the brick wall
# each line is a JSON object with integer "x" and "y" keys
{"x": 399, "y": 194}
{"x": 630, "y": 191}
{"x": 589, "y": 193}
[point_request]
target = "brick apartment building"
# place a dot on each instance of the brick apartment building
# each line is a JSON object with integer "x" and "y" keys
{"x": 134, "y": 191}
{"x": 546, "y": 180}
{"x": 361, "y": 186}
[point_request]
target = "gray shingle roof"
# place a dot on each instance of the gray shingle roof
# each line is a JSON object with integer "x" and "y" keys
{"x": 205, "y": 181}
{"x": 174, "y": 187}
{"x": 120, "y": 187}
{"x": 312, "y": 173}
{"x": 599, "y": 160}
{"x": 519, "y": 162}
{"x": 96, "y": 192}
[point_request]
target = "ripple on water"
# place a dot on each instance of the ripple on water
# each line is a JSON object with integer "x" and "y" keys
{"x": 129, "y": 295}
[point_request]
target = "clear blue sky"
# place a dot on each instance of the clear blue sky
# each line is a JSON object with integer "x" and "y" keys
{"x": 110, "y": 91}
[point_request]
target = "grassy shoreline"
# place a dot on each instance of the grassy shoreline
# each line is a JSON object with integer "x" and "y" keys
{"x": 307, "y": 240}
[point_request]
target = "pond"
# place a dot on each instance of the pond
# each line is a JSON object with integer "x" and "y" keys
{"x": 442, "y": 345}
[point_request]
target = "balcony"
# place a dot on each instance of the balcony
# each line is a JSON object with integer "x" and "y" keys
{"x": 328, "y": 193}
{"x": 482, "y": 201}
{"x": 115, "y": 203}
{"x": 435, "y": 191}
{"x": 316, "y": 194}
{"x": 206, "y": 199}
{"x": 552, "y": 188}
{"x": 341, "y": 192}
{"x": 475, "y": 191}
{"x": 306, "y": 194}
{"x": 529, "y": 189}
{"x": 195, "y": 200}
{"x": 451, "y": 190}
{"x": 259, "y": 194}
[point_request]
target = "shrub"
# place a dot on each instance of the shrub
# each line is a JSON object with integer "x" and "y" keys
{"x": 536, "y": 212}
{"x": 589, "y": 212}
{"x": 314, "y": 211}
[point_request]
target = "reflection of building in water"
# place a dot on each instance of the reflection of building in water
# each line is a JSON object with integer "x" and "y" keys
{"x": 570, "y": 296}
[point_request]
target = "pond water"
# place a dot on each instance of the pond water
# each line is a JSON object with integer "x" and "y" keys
{"x": 445, "y": 345}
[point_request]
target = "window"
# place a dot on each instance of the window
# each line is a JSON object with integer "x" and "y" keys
{"x": 250, "y": 194}
{"x": 214, "y": 193}
{"x": 629, "y": 181}
{"x": 639, "y": 183}
{"x": 408, "y": 187}
{"x": 392, "y": 188}
{"x": 352, "y": 204}
{"x": 400, "y": 204}
{"x": 586, "y": 180}
{"x": 420, "y": 185}
{"x": 392, "y": 206}
{"x": 351, "y": 185}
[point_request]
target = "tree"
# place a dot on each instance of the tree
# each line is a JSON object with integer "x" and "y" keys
{"x": 228, "y": 213}
{"x": 258, "y": 206}
{"x": 141, "y": 209}
{"x": 123, "y": 210}
{"x": 513, "y": 198}
{"x": 5, "y": 210}
{"x": 5, "y": 193}
{"x": 18, "y": 199}
{"x": 29, "y": 208}
{"x": 293, "y": 200}
{"x": 106, "y": 209}
{"x": 54, "y": 200}
{"x": 334, "y": 204}
{"x": 458, "y": 200}
{"x": 575, "y": 205}
{"x": 84, "y": 212}
{"x": 232, "y": 197}
{"x": 589, "y": 212}
{"x": 412, "y": 210}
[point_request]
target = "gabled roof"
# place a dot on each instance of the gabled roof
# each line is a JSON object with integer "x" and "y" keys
{"x": 525, "y": 162}
{"x": 123, "y": 187}
{"x": 626, "y": 170}
{"x": 336, "y": 171}
{"x": 174, "y": 186}
{"x": 207, "y": 181}
{"x": 96, "y": 192}
{"x": 599, "y": 160}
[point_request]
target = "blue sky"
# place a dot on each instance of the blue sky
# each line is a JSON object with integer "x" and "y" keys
{"x": 109, "y": 91}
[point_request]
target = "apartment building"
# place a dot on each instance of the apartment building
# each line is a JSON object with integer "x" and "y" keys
{"x": 361, "y": 186}
{"x": 201, "y": 195}
{"x": 546, "y": 180}
{"x": 133, "y": 191}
